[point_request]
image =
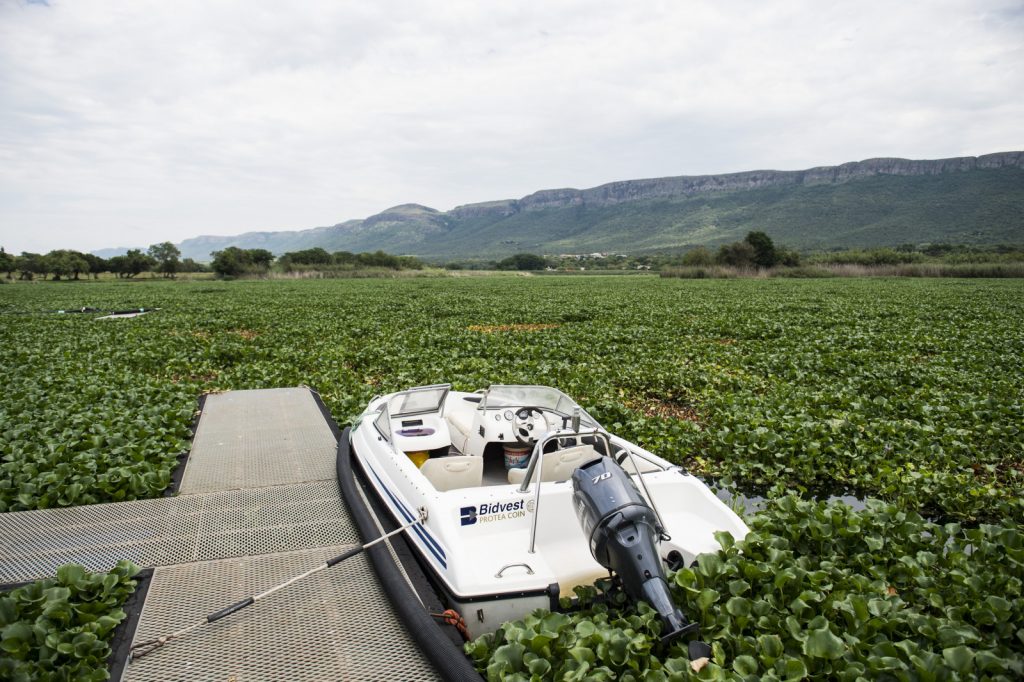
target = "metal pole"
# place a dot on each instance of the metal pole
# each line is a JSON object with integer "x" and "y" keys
{"x": 536, "y": 502}
{"x": 643, "y": 484}
{"x": 538, "y": 460}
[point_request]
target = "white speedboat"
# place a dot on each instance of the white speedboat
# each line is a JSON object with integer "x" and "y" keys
{"x": 526, "y": 496}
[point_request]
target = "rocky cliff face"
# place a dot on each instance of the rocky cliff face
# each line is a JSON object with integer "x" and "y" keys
{"x": 688, "y": 185}
{"x": 484, "y": 228}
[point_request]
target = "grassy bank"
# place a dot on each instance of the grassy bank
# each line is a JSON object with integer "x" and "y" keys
{"x": 822, "y": 270}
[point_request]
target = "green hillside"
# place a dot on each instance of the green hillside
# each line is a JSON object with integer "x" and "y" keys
{"x": 977, "y": 207}
{"x": 887, "y": 207}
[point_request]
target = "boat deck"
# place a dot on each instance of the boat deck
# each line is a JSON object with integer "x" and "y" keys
{"x": 258, "y": 504}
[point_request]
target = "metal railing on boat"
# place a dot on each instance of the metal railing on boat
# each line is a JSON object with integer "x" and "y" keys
{"x": 536, "y": 465}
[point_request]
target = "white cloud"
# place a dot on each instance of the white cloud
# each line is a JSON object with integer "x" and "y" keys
{"x": 131, "y": 123}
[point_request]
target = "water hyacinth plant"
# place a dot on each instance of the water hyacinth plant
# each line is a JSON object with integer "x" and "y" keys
{"x": 816, "y": 591}
{"x": 59, "y": 629}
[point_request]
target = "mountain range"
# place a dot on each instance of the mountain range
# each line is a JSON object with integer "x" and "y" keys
{"x": 877, "y": 202}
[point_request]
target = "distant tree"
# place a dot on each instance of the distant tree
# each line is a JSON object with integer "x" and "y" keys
{"x": 764, "y": 249}
{"x": 787, "y": 257}
{"x": 118, "y": 265}
{"x": 189, "y": 265}
{"x": 7, "y": 263}
{"x": 344, "y": 258}
{"x": 78, "y": 262}
{"x": 234, "y": 262}
{"x": 167, "y": 257}
{"x": 66, "y": 263}
{"x": 409, "y": 263}
{"x": 58, "y": 264}
{"x": 131, "y": 264}
{"x": 261, "y": 258}
{"x": 96, "y": 264}
{"x": 698, "y": 256}
{"x": 316, "y": 256}
{"x": 29, "y": 265}
{"x": 378, "y": 259}
{"x": 523, "y": 261}
{"x": 230, "y": 262}
{"x": 737, "y": 254}
{"x": 139, "y": 262}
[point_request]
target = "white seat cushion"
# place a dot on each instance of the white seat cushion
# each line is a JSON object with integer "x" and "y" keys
{"x": 451, "y": 473}
{"x": 460, "y": 423}
{"x": 558, "y": 465}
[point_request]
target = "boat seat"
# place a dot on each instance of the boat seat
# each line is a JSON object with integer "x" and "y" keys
{"x": 558, "y": 465}
{"x": 453, "y": 472}
{"x": 460, "y": 424}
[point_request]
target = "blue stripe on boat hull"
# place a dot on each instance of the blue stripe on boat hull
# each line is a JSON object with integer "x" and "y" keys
{"x": 426, "y": 537}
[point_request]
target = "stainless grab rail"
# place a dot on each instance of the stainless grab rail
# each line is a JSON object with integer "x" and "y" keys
{"x": 537, "y": 460}
{"x": 643, "y": 484}
{"x": 529, "y": 571}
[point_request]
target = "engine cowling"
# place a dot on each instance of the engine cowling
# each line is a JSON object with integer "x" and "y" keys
{"x": 623, "y": 533}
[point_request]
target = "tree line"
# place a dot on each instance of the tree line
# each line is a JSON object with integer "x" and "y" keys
{"x": 163, "y": 258}
{"x": 236, "y": 262}
{"x": 756, "y": 250}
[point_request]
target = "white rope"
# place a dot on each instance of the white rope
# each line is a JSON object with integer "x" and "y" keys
{"x": 391, "y": 548}
{"x": 158, "y": 642}
{"x": 321, "y": 567}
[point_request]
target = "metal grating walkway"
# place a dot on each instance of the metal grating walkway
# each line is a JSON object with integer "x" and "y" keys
{"x": 283, "y": 439}
{"x": 260, "y": 478}
{"x": 259, "y": 503}
{"x": 174, "y": 530}
{"x": 335, "y": 625}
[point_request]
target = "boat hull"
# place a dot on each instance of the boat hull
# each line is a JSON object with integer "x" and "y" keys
{"x": 497, "y": 551}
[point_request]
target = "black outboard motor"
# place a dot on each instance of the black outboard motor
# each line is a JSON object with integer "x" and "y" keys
{"x": 623, "y": 531}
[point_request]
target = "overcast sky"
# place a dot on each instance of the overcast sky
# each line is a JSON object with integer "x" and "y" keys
{"x": 133, "y": 122}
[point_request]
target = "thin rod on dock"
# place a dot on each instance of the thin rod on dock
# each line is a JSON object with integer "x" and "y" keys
{"x": 142, "y": 648}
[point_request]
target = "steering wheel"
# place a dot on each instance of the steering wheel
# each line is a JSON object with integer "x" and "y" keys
{"x": 523, "y": 425}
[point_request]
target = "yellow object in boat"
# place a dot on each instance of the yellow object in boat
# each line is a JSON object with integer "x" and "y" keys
{"x": 418, "y": 457}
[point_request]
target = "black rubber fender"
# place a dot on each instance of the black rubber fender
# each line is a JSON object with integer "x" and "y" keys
{"x": 448, "y": 660}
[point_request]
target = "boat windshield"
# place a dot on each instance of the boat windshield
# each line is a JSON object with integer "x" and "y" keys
{"x": 537, "y": 396}
{"x": 419, "y": 400}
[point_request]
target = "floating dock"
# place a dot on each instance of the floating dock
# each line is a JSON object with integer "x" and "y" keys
{"x": 258, "y": 504}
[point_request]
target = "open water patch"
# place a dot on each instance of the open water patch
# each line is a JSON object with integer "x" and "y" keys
{"x": 753, "y": 504}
